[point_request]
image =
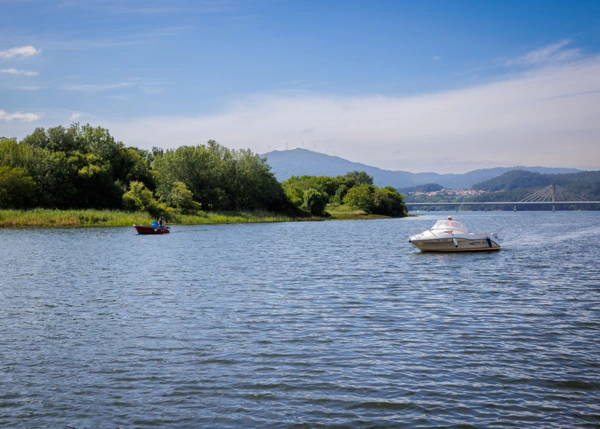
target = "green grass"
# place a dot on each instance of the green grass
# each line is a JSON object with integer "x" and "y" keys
{"x": 72, "y": 218}
{"x": 344, "y": 212}
{"x": 230, "y": 217}
{"x": 63, "y": 218}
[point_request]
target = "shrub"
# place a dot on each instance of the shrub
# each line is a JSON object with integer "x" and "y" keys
{"x": 140, "y": 198}
{"x": 314, "y": 202}
{"x": 361, "y": 197}
{"x": 182, "y": 198}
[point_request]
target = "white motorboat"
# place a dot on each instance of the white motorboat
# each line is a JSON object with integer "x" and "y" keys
{"x": 451, "y": 236}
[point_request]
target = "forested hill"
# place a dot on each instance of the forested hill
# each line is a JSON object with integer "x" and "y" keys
{"x": 519, "y": 183}
{"x": 527, "y": 179}
{"x": 299, "y": 162}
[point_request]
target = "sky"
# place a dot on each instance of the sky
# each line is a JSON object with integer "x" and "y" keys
{"x": 442, "y": 86}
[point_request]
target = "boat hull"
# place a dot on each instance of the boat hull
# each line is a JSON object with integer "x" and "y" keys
{"x": 456, "y": 245}
{"x": 150, "y": 230}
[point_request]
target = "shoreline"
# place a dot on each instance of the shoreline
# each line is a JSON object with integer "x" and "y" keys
{"x": 54, "y": 218}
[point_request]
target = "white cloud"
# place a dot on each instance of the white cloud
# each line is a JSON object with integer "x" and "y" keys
{"x": 75, "y": 116}
{"x": 550, "y": 53}
{"x": 544, "y": 117}
{"x": 18, "y": 116}
{"x": 19, "y": 72}
{"x": 22, "y": 51}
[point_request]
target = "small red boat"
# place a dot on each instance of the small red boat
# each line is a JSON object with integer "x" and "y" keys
{"x": 145, "y": 229}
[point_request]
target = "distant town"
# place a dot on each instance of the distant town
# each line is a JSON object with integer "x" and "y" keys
{"x": 449, "y": 192}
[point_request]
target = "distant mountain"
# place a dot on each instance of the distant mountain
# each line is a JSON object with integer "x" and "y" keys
{"x": 298, "y": 162}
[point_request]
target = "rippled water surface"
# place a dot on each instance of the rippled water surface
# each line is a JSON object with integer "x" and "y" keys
{"x": 313, "y": 324}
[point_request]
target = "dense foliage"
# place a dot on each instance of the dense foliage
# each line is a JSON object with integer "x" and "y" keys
{"x": 217, "y": 178}
{"x": 73, "y": 167}
{"x": 355, "y": 189}
{"x": 82, "y": 167}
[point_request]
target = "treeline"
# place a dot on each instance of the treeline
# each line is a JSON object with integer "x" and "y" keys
{"x": 75, "y": 167}
{"x": 82, "y": 167}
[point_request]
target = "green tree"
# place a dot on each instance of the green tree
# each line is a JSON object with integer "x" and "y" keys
{"x": 219, "y": 178}
{"x": 296, "y": 188}
{"x": 361, "y": 197}
{"x": 79, "y": 166}
{"x": 361, "y": 177}
{"x": 340, "y": 193}
{"x": 54, "y": 176}
{"x": 16, "y": 188}
{"x": 138, "y": 197}
{"x": 182, "y": 198}
{"x": 387, "y": 201}
{"x": 314, "y": 202}
{"x": 384, "y": 201}
{"x": 57, "y": 139}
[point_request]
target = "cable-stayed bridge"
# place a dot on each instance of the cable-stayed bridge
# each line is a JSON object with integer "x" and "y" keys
{"x": 550, "y": 195}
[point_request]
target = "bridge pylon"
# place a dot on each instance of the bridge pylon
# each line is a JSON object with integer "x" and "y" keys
{"x": 552, "y": 194}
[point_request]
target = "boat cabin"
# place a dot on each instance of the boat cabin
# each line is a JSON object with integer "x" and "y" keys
{"x": 450, "y": 225}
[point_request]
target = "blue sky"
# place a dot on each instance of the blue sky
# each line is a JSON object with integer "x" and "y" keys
{"x": 445, "y": 86}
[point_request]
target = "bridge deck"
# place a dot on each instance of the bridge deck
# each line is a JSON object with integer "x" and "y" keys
{"x": 502, "y": 203}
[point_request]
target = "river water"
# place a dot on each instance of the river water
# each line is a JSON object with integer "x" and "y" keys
{"x": 302, "y": 325}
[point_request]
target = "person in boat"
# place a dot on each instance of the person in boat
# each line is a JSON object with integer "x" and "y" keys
{"x": 450, "y": 221}
{"x": 161, "y": 222}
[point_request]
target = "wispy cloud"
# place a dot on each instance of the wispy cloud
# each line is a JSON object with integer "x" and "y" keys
{"x": 150, "y": 7}
{"x": 28, "y": 87}
{"x": 146, "y": 86}
{"x": 74, "y": 116}
{"x": 19, "y": 72}
{"x": 97, "y": 87}
{"x": 18, "y": 116}
{"x": 553, "y": 53}
{"x": 119, "y": 38}
{"x": 23, "y": 51}
{"x": 544, "y": 117}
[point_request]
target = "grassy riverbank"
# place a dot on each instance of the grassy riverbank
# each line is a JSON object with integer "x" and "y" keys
{"x": 73, "y": 218}
{"x": 58, "y": 218}
{"x": 344, "y": 212}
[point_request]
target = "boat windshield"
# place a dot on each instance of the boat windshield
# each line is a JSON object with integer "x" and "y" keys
{"x": 450, "y": 224}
